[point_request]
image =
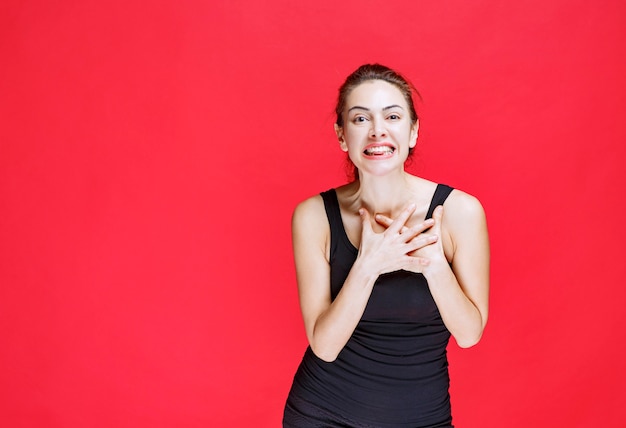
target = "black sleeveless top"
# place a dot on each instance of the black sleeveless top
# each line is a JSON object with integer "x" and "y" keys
{"x": 393, "y": 372}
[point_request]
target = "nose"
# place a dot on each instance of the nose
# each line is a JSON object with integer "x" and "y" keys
{"x": 378, "y": 129}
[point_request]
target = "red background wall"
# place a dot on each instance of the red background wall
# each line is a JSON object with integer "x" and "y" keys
{"x": 151, "y": 154}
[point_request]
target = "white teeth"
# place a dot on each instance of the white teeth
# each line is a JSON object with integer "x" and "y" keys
{"x": 379, "y": 150}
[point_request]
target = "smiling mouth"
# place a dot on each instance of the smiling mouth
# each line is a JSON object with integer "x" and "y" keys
{"x": 379, "y": 150}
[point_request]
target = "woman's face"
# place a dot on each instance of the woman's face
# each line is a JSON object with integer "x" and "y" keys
{"x": 377, "y": 131}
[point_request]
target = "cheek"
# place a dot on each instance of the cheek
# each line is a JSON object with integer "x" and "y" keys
{"x": 352, "y": 151}
{"x": 351, "y": 139}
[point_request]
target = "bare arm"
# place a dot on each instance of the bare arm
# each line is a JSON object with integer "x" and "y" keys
{"x": 329, "y": 325}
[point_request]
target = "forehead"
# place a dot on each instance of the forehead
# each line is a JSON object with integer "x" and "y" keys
{"x": 375, "y": 93}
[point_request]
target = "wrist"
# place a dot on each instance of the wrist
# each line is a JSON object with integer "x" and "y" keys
{"x": 436, "y": 270}
{"x": 367, "y": 272}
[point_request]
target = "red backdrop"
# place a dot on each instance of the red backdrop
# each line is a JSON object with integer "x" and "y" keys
{"x": 151, "y": 154}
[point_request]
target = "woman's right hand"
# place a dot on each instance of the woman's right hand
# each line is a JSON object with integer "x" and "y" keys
{"x": 394, "y": 248}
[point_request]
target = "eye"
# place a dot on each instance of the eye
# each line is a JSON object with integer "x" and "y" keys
{"x": 359, "y": 119}
{"x": 394, "y": 116}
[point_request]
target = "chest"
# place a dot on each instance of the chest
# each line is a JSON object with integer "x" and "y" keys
{"x": 353, "y": 228}
{"x": 399, "y": 296}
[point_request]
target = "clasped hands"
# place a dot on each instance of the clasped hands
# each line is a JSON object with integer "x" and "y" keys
{"x": 412, "y": 248}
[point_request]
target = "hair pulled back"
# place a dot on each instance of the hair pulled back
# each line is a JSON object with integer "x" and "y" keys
{"x": 368, "y": 72}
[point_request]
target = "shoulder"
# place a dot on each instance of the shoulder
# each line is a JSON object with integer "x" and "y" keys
{"x": 310, "y": 227}
{"x": 309, "y": 209}
{"x": 310, "y": 215}
{"x": 464, "y": 218}
{"x": 463, "y": 205}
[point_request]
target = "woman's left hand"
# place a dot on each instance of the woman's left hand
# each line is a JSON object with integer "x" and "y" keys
{"x": 433, "y": 252}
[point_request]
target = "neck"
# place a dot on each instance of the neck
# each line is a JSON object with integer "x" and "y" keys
{"x": 383, "y": 195}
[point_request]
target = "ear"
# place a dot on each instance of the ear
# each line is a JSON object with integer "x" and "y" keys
{"x": 414, "y": 132}
{"x": 342, "y": 141}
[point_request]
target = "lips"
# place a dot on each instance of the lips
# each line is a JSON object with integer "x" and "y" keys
{"x": 379, "y": 150}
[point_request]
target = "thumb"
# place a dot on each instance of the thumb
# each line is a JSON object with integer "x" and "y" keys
{"x": 438, "y": 215}
{"x": 365, "y": 220}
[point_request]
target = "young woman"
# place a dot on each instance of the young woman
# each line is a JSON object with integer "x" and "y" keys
{"x": 388, "y": 267}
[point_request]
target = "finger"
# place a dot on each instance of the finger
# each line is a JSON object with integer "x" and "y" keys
{"x": 383, "y": 220}
{"x": 411, "y": 232}
{"x": 415, "y": 264}
{"x": 438, "y": 213}
{"x": 387, "y": 221}
{"x": 366, "y": 222}
{"x": 398, "y": 223}
{"x": 420, "y": 242}
{"x": 437, "y": 217}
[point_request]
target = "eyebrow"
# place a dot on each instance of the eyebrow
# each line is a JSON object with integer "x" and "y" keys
{"x": 384, "y": 108}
